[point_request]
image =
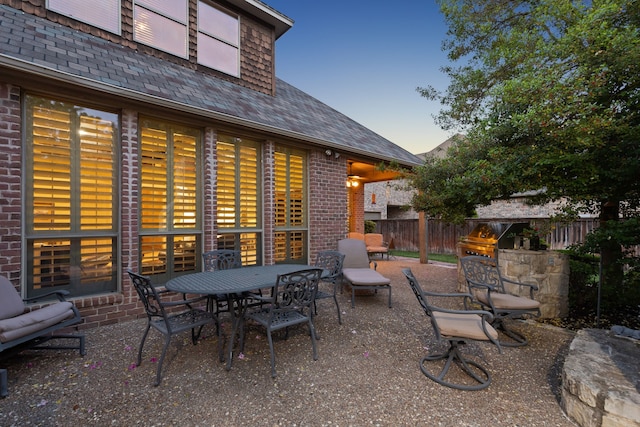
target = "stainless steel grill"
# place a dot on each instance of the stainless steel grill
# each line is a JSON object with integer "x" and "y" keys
{"x": 487, "y": 238}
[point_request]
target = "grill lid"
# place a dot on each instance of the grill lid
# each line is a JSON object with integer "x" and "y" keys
{"x": 495, "y": 233}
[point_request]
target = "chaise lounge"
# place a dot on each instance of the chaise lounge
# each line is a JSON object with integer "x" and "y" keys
{"x": 356, "y": 269}
{"x": 21, "y": 329}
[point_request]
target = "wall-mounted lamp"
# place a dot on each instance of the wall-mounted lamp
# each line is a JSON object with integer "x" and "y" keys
{"x": 328, "y": 152}
{"x": 352, "y": 180}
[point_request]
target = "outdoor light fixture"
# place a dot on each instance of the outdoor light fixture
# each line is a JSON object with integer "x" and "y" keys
{"x": 352, "y": 180}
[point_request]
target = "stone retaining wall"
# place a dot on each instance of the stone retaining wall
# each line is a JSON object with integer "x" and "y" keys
{"x": 601, "y": 380}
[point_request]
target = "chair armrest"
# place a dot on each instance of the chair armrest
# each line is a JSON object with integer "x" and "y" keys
{"x": 532, "y": 286}
{"x": 486, "y": 315}
{"x": 185, "y": 301}
{"x": 484, "y": 286}
{"x": 60, "y": 294}
{"x": 525, "y": 285}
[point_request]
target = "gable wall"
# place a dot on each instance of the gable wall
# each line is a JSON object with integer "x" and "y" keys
{"x": 257, "y": 60}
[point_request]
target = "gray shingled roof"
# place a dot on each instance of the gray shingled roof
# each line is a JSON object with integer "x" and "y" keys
{"x": 35, "y": 45}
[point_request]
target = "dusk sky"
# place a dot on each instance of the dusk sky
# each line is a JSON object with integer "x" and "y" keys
{"x": 365, "y": 60}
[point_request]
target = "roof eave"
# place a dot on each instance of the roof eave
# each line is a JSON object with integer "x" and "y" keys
{"x": 41, "y": 71}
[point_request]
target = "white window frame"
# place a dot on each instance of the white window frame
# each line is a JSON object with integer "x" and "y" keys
{"x": 179, "y": 22}
{"x": 206, "y": 35}
{"x": 104, "y": 14}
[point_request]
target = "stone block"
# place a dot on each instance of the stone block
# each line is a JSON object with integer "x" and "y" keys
{"x": 583, "y": 415}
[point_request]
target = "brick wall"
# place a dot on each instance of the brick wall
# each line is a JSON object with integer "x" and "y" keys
{"x": 10, "y": 182}
{"x": 327, "y": 201}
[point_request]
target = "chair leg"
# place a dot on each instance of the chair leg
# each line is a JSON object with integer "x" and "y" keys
{"x": 273, "y": 355}
{"x": 335, "y": 299}
{"x": 517, "y": 339}
{"x": 4, "y": 390}
{"x": 164, "y": 353}
{"x": 312, "y": 332}
{"x": 453, "y": 356}
{"x": 144, "y": 337}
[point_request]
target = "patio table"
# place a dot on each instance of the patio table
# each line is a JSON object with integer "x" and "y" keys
{"x": 232, "y": 283}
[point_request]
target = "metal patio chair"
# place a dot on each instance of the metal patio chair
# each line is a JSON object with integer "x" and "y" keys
{"x": 457, "y": 327}
{"x": 331, "y": 262}
{"x": 163, "y": 317}
{"x": 487, "y": 286}
{"x": 289, "y": 304}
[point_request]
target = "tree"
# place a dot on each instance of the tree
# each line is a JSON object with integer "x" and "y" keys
{"x": 548, "y": 94}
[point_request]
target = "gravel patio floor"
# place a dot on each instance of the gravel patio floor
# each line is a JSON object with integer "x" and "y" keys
{"x": 367, "y": 374}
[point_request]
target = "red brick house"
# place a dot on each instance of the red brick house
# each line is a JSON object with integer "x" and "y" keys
{"x": 136, "y": 134}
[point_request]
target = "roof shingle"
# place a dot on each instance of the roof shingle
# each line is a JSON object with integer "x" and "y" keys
{"x": 46, "y": 47}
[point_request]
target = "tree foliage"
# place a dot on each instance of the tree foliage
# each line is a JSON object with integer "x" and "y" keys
{"x": 547, "y": 93}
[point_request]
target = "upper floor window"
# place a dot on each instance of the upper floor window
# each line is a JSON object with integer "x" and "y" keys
{"x": 103, "y": 14}
{"x": 218, "y": 39}
{"x": 163, "y": 24}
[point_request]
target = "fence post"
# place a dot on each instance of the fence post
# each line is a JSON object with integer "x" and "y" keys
{"x": 423, "y": 232}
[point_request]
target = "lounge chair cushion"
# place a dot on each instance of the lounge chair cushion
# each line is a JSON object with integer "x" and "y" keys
{"x": 355, "y": 253}
{"x": 11, "y": 304}
{"x": 507, "y": 301}
{"x": 364, "y": 277}
{"x": 463, "y": 325}
{"x": 28, "y": 323}
{"x": 356, "y": 235}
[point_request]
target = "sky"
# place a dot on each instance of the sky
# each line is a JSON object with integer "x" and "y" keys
{"x": 365, "y": 59}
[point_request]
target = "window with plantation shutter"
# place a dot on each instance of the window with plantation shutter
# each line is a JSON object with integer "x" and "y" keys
{"x": 170, "y": 229}
{"x": 290, "y": 206}
{"x": 71, "y": 204}
{"x": 238, "y": 191}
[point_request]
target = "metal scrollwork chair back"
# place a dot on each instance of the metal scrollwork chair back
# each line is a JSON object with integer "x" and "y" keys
{"x": 506, "y": 299}
{"x": 163, "y": 317}
{"x": 331, "y": 262}
{"x": 289, "y": 304}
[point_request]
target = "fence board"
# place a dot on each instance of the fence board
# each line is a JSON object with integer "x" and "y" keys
{"x": 403, "y": 234}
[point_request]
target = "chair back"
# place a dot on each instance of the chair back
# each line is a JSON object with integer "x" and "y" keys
{"x": 221, "y": 259}
{"x": 417, "y": 290}
{"x": 480, "y": 271}
{"x": 330, "y": 261}
{"x": 296, "y": 290}
{"x": 374, "y": 239}
{"x": 148, "y": 295}
{"x": 11, "y": 304}
{"x": 355, "y": 253}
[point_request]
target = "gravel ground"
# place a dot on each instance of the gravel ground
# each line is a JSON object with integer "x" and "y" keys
{"x": 367, "y": 374}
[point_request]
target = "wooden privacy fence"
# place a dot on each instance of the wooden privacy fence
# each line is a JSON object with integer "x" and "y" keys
{"x": 403, "y": 234}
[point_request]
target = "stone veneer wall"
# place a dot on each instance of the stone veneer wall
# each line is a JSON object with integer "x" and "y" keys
{"x": 601, "y": 380}
{"x": 549, "y": 270}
